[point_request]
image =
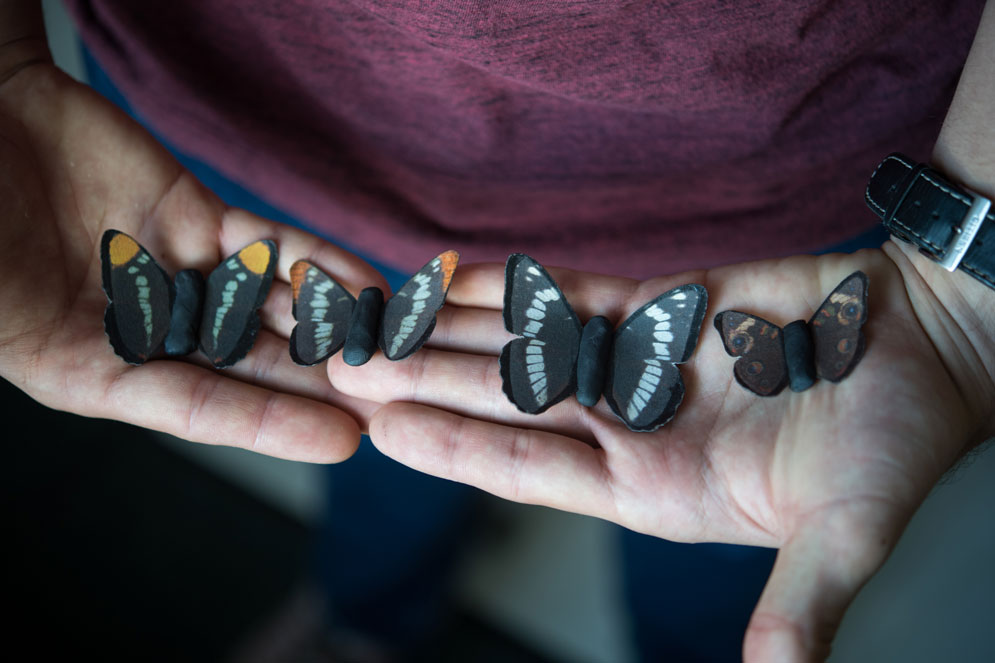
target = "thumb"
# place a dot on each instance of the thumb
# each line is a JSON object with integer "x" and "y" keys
{"x": 828, "y": 557}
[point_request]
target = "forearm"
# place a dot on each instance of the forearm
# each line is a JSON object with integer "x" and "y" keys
{"x": 957, "y": 311}
{"x": 22, "y": 37}
{"x": 965, "y": 149}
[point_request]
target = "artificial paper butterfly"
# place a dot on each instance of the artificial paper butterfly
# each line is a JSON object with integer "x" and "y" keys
{"x": 634, "y": 367}
{"x": 828, "y": 346}
{"x": 328, "y": 317}
{"x": 147, "y": 312}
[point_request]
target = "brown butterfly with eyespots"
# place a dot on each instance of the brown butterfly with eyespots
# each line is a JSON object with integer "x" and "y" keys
{"x": 828, "y": 346}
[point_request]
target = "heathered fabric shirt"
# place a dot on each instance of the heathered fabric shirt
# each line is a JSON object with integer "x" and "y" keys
{"x": 635, "y": 138}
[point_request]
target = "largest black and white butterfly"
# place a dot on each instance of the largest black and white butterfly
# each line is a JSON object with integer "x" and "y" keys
{"x": 329, "y": 317}
{"x": 148, "y": 313}
{"x": 635, "y": 367}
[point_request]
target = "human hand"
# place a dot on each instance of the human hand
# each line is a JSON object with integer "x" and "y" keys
{"x": 830, "y": 476}
{"x": 75, "y": 166}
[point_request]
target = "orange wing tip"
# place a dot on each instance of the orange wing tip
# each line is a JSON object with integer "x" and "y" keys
{"x": 122, "y": 248}
{"x": 298, "y": 272}
{"x": 257, "y": 256}
{"x": 448, "y": 261}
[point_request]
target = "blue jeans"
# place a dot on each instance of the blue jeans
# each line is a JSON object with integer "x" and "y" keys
{"x": 385, "y": 554}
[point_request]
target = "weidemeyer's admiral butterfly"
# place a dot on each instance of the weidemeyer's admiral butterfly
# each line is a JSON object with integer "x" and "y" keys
{"x": 635, "y": 366}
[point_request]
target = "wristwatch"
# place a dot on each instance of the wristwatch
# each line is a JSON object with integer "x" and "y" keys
{"x": 950, "y": 224}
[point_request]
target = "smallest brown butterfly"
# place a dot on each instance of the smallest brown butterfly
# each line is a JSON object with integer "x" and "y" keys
{"x": 828, "y": 346}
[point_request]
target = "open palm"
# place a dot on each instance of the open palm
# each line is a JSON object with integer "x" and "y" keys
{"x": 76, "y": 166}
{"x": 830, "y": 476}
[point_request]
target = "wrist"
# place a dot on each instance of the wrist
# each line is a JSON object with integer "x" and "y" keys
{"x": 957, "y": 313}
{"x": 948, "y": 274}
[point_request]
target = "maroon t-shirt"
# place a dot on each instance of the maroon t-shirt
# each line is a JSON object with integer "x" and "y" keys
{"x": 634, "y": 138}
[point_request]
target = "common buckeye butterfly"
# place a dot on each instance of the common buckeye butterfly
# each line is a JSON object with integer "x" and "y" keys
{"x": 828, "y": 346}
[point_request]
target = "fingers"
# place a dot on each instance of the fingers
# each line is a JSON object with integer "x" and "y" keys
{"x": 264, "y": 403}
{"x": 527, "y": 466}
{"x": 818, "y": 572}
{"x": 268, "y": 365}
{"x": 469, "y": 330}
{"x": 462, "y": 383}
{"x": 202, "y": 405}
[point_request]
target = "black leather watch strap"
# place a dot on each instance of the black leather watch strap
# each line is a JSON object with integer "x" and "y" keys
{"x": 917, "y": 204}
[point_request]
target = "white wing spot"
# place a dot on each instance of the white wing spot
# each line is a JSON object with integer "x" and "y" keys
{"x": 547, "y": 295}
{"x": 535, "y": 366}
{"x": 227, "y": 301}
{"x": 410, "y": 321}
{"x": 323, "y": 337}
{"x": 144, "y": 303}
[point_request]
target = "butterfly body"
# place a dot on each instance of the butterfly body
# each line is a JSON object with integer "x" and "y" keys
{"x": 799, "y": 356}
{"x": 147, "y": 312}
{"x": 361, "y": 339}
{"x": 329, "y": 318}
{"x": 186, "y": 313}
{"x": 632, "y": 366}
{"x": 828, "y": 346}
{"x": 592, "y": 360}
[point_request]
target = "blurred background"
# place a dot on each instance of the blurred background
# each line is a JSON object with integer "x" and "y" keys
{"x": 130, "y": 544}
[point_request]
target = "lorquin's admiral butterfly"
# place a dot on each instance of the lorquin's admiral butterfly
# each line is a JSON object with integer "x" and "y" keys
{"x": 328, "y": 317}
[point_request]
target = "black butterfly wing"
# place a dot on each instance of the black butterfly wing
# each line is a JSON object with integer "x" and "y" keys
{"x": 644, "y": 386}
{"x": 139, "y": 296}
{"x": 760, "y": 347}
{"x": 538, "y": 370}
{"x": 235, "y": 291}
{"x": 322, "y": 309}
{"x": 409, "y": 316}
{"x": 835, "y": 327}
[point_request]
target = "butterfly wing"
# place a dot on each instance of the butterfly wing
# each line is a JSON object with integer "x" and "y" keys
{"x": 409, "y": 316}
{"x": 139, "y": 296}
{"x": 835, "y": 326}
{"x": 644, "y": 387}
{"x": 538, "y": 370}
{"x": 322, "y": 309}
{"x": 235, "y": 291}
{"x": 760, "y": 347}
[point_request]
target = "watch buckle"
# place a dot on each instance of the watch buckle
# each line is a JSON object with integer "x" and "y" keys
{"x": 963, "y": 235}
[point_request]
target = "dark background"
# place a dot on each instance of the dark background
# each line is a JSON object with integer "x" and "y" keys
{"x": 121, "y": 548}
